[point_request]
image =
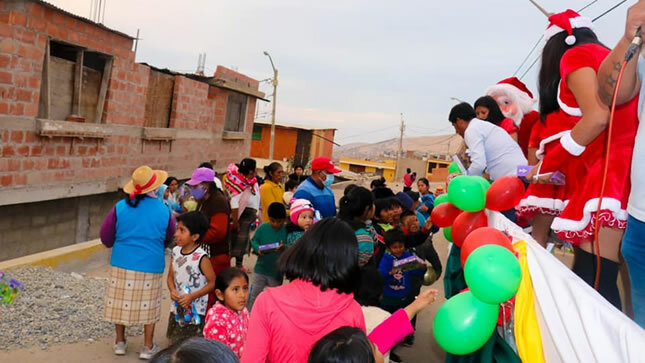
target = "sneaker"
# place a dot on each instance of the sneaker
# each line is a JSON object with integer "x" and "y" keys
{"x": 408, "y": 341}
{"x": 148, "y": 353}
{"x": 394, "y": 358}
{"x": 119, "y": 348}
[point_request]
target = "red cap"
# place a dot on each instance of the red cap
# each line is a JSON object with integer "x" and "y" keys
{"x": 324, "y": 163}
{"x": 514, "y": 81}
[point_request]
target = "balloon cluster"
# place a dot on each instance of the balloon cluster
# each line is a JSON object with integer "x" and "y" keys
{"x": 466, "y": 321}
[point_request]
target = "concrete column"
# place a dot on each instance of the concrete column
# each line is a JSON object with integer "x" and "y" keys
{"x": 82, "y": 220}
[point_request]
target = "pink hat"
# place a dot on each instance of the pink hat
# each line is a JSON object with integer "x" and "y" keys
{"x": 298, "y": 206}
{"x": 201, "y": 175}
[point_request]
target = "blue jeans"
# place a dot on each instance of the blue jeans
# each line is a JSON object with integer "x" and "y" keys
{"x": 633, "y": 250}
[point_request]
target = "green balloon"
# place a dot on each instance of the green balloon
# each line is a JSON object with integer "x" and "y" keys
{"x": 493, "y": 274}
{"x": 443, "y": 198}
{"x": 453, "y": 168}
{"x": 464, "y": 324}
{"x": 483, "y": 182}
{"x": 467, "y": 193}
{"x": 447, "y": 232}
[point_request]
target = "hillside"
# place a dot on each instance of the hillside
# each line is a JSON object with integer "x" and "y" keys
{"x": 442, "y": 144}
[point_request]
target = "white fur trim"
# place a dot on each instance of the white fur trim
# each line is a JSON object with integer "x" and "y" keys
{"x": 570, "y": 40}
{"x": 570, "y": 145}
{"x": 519, "y": 97}
{"x": 579, "y": 22}
{"x": 611, "y": 204}
{"x": 573, "y": 111}
{"x": 540, "y": 151}
{"x": 546, "y": 203}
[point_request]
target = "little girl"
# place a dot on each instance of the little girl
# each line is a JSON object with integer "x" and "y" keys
{"x": 190, "y": 267}
{"x": 301, "y": 218}
{"x": 228, "y": 320}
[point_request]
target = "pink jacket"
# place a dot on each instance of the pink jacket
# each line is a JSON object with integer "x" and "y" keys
{"x": 287, "y": 321}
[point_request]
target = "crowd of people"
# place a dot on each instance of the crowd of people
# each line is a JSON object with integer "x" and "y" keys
{"x": 355, "y": 268}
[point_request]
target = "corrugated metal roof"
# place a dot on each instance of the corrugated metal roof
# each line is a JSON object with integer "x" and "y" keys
{"x": 293, "y": 126}
{"x": 78, "y": 17}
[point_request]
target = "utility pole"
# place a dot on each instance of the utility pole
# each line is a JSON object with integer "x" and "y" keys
{"x": 398, "y": 155}
{"x": 275, "y": 91}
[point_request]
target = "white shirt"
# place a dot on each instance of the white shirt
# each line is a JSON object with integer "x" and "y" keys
{"x": 491, "y": 148}
{"x": 254, "y": 199}
{"x": 636, "y": 205}
{"x": 187, "y": 271}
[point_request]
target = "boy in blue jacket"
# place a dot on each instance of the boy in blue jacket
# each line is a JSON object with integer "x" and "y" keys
{"x": 398, "y": 293}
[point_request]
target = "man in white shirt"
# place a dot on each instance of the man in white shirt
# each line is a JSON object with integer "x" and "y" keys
{"x": 490, "y": 148}
{"x": 633, "y": 245}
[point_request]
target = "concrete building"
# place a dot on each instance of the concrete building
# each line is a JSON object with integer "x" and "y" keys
{"x": 294, "y": 143}
{"x": 78, "y": 115}
{"x": 385, "y": 168}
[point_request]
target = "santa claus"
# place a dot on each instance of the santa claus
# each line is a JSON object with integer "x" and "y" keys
{"x": 516, "y": 102}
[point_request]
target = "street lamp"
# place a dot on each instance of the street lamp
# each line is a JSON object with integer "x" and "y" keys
{"x": 456, "y": 99}
{"x": 275, "y": 90}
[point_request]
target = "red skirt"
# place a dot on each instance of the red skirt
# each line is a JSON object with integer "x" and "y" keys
{"x": 577, "y": 221}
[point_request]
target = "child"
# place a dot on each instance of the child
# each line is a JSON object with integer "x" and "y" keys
{"x": 190, "y": 266}
{"x": 357, "y": 209}
{"x": 289, "y": 188}
{"x": 194, "y": 350}
{"x": 427, "y": 198}
{"x": 397, "y": 293}
{"x": 301, "y": 218}
{"x": 272, "y": 232}
{"x": 228, "y": 320}
{"x": 349, "y": 344}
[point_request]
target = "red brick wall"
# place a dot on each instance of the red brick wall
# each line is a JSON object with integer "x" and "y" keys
{"x": 198, "y": 110}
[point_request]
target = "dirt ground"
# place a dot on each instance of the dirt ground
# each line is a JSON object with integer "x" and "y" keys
{"x": 425, "y": 348}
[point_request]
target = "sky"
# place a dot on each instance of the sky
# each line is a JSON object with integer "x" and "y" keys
{"x": 353, "y": 65}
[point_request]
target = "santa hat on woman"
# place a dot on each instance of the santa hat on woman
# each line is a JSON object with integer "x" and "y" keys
{"x": 566, "y": 21}
{"x": 298, "y": 206}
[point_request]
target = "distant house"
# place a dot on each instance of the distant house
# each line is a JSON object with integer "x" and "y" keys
{"x": 291, "y": 141}
{"x": 385, "y": 168}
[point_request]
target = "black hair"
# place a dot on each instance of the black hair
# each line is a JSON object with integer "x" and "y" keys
{"x": 196, "y": 350}
{"x": 195, "y": 222}
{"x": 298, "y": 166}
{"x": 370, "y": 289}
{"x": 382, "y": 192}
{"x": 343, "y": 345}
{"x": 290, "y": 184}
{"x": 326, "y": 255}
{"x": 277, "y": 211}
{"x": 463, "y": 111}
{"x": 224, "y": 278}
{"x": 414, "y": 195}
{"x": 134, "y": 202}
{"x": 424, "y": 181}
{"x": 549, "y": 76}
{"x": 270, "y": 169}
{"x": 246, "y": 166}
{"x": 408, "y": 170}
{"x": 355, "y": 202}
{"x": 206, "y": 164}
{"x": 393, "y": 236}
{"x": 382, "y": 204}
{"x": 408, "y": 213}
{"x": 170, "y": 179}
{"x": 396, "y": 202}
{"x": 349, "y": 188}
{"x": 495, "y": 114}
{"x": 376, "y": 183}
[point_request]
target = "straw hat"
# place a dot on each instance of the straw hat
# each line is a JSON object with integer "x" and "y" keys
{"x": 145, "y": 180}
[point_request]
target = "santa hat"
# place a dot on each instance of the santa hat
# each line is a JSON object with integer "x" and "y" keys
{"x": 516, "y": 90}
{"x": 298, "y": 206}
{"x": 566, "y": 21}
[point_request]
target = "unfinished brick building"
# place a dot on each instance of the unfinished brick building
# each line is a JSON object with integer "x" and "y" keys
{"x": 77, "y": 115}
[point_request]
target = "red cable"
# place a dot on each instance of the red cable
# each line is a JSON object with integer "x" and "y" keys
{"x": 604, "y": 177}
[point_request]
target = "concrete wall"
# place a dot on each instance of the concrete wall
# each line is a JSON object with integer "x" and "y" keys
{"x": 34, "y": 227}
{"x": 284, "y": 147}
{"x": 416, "y": 165}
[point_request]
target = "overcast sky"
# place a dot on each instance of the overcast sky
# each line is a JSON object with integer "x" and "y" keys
{"x": 354, "y": 65}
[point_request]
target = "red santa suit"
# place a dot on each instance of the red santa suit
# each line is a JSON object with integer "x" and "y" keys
{"x": 584, "y": 173}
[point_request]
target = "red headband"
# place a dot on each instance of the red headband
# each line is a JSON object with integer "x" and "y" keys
{"x": 138, "y": 188}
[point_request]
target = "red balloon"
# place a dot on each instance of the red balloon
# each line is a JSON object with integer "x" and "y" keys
{"x": 505, "y": 193}
{"x": 444, "y": 214}
{"x": 483, "y": 236}
{"x": 465, "y": 223}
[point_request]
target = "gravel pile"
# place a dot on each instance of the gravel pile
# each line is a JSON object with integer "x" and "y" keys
{"x": 55, "y": 308}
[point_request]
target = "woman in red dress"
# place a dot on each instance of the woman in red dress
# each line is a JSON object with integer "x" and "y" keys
{"x": 568, "y": 94}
